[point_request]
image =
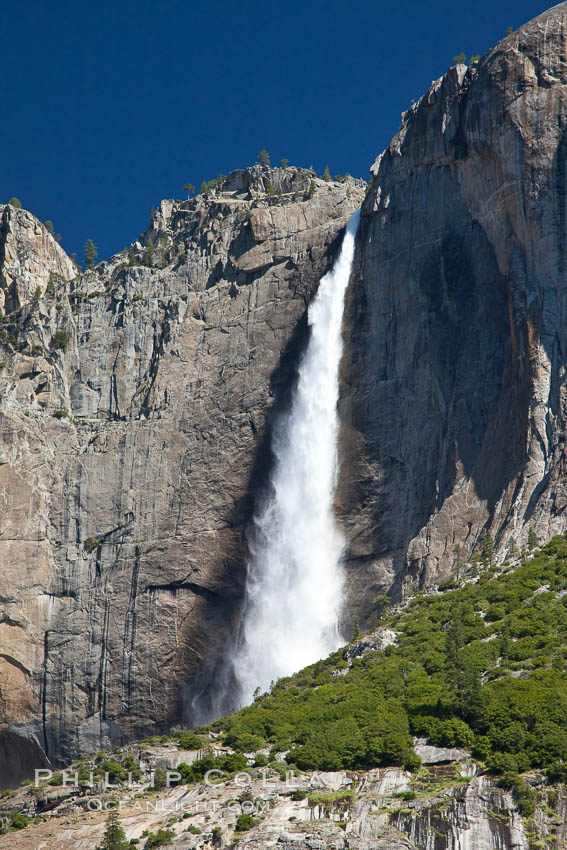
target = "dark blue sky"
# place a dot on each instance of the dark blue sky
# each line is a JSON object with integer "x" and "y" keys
{"x": 110, "y": 106}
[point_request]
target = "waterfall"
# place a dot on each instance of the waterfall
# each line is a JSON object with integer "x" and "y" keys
{"x": 295, "y": 578}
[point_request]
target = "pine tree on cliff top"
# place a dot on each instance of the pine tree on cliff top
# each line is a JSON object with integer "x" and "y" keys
{"x": 91, "y": 253}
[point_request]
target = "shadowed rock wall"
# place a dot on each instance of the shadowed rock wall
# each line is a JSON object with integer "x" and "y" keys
{"x": 453, "y": 396}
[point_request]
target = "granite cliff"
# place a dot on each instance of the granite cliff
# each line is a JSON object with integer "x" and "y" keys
{"x": 136, "y": 398}
{"x": 447, "y": 807}
{"x": 453, "y": 394}
{"x": 134, "y": 433}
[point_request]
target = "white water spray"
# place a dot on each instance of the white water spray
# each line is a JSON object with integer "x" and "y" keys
{"x": 295, "y": 577}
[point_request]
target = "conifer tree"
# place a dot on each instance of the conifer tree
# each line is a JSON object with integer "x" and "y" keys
{"x": 513, "y": 551}
{"x": 487, "y": 553}
{"x": 505, "y": 642}
{"x": 15, "y": 202}
{"x": 91, "y": 254}
{"x": 327, "y": 174}
{"x": 114, "y": 835}
{"x": 458, "y": 562}
{"x": 264, "y": 157}
{"x": 533, "y": 539}
{"x": 150, "y": 250}
{"x": 189, "y": 188}
{"x": 50, "y": 229}
{"x": 460, "y": 667}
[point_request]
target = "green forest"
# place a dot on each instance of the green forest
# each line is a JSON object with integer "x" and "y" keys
{"x": 481, "y": 666}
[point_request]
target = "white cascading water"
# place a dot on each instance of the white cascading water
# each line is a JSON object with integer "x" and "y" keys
{"x": 295, "y": 577}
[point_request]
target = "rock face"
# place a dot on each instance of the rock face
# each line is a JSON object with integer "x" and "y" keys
{"x": 135, "y": 406}
{"x": 454, "y": 398}
{"x": 445, "y": 808}
{"x": 29, "y": 258}
{"x": 136, "y": 400}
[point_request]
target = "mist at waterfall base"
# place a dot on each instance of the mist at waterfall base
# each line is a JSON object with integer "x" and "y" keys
{"x": 295, "y": 577}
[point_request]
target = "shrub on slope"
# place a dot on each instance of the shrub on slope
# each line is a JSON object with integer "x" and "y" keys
{"x": 483, "y": 666}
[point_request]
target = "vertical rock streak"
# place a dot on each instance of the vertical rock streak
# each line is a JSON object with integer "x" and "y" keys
{"x": 295, "y": 577}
